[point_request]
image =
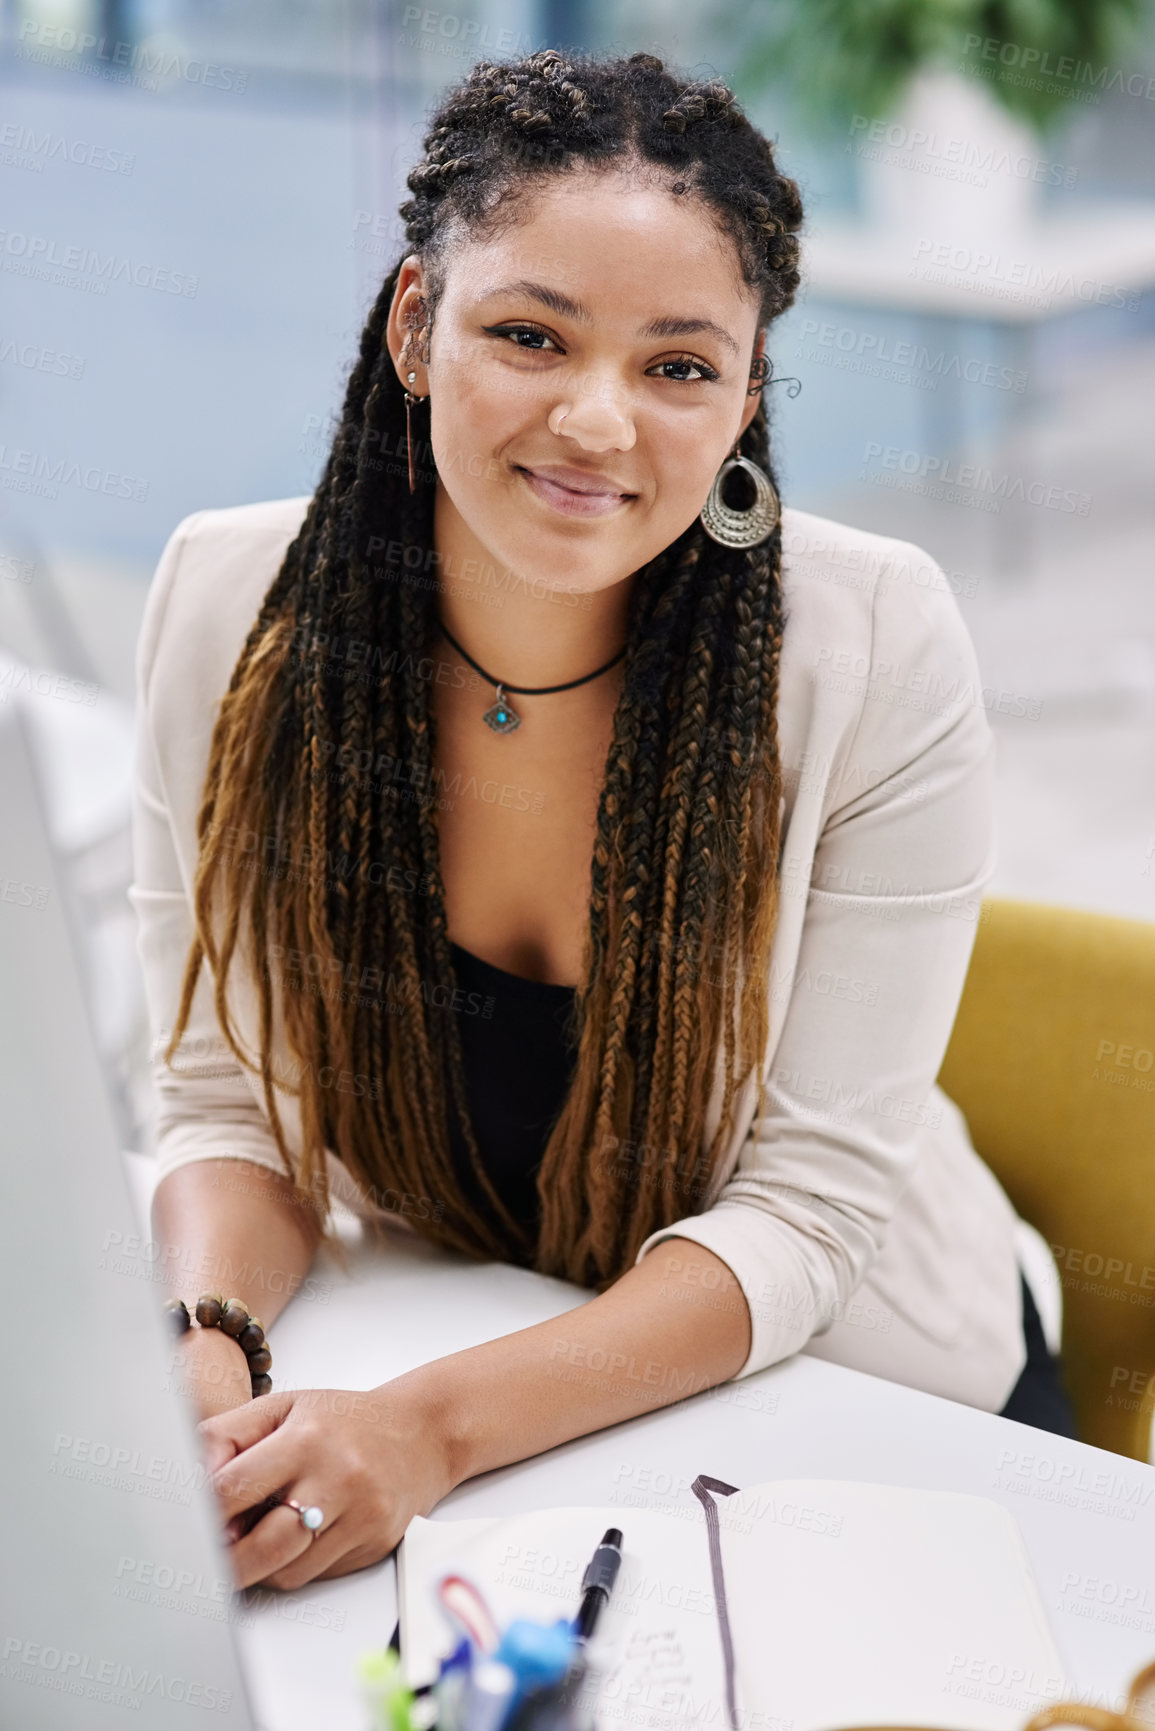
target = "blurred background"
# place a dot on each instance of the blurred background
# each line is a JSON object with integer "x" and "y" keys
{"x": 199, "y": 204}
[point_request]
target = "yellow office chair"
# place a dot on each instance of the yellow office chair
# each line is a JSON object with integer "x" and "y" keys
{"x": 1052, "y": 1061}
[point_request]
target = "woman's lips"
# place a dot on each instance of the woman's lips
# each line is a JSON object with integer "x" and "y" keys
{"x": 569, "y": 503}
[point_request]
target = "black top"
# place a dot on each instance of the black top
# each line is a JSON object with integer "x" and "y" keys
{"x": 518, "y": 1064}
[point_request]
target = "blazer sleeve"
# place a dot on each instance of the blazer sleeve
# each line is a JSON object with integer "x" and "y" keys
{"x": 205, "y": 1102}
{"x": 893, "y": 894}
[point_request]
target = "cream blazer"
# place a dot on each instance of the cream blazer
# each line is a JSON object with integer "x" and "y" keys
{"x": 853, "y": 1210}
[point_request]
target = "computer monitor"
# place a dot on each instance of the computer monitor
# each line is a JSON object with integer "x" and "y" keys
{"x": 116, "y": 1594}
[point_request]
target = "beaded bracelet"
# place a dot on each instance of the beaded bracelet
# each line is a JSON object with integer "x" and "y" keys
{"x": 230, "y": 1316}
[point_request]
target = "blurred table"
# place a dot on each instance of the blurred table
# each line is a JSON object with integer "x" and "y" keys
{"x": 1087, "y": 1516}
{"x": 1102, "y": 257}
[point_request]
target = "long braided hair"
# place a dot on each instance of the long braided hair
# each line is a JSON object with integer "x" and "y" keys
{"x": 683, "y": 895}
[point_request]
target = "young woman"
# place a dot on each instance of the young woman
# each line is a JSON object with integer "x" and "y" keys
{"x": 545, "y": 841}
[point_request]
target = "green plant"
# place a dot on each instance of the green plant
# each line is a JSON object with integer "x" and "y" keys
{"x": 1040, "y": 58}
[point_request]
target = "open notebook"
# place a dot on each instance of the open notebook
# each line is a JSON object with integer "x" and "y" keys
{"x": 848, "y": 1604}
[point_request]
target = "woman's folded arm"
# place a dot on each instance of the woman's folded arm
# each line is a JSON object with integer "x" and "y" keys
{"x": 892, "y": 892}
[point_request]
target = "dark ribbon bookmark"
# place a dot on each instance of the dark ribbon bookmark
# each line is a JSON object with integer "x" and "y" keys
{"x": 702, "y": 1487}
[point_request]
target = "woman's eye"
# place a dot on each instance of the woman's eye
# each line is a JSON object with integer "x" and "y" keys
{"x": 530, "y": 339}
{"x": 517, "y": 331}
{"x": 703, "y": 371}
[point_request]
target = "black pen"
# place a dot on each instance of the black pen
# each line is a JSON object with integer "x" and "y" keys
{"x": 598, "y": 1583}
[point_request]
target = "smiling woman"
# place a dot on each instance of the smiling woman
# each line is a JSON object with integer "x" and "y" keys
{"x": 583, "y": 1012}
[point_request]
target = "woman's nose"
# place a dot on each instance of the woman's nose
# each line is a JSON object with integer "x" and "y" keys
{"x": 599, "y": 418}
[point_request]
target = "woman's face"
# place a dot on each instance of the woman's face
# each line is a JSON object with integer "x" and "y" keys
{"x": 605, "y": 343}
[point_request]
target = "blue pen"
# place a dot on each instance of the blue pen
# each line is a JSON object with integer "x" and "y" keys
{"x": 451, "y": 1687}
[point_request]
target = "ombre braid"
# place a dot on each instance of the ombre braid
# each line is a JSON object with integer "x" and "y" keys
{"x": 683, "y": 895}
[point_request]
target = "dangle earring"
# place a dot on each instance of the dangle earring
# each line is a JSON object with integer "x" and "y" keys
{"x": 731, "y": 528}
{"x": 411, "y": 403}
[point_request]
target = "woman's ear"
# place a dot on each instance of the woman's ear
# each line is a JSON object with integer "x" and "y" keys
{"x": 406, "y": 319}
{"x": 755, "y": 397}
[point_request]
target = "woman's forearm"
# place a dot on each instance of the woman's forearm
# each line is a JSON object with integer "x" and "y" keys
{"x": 236, "y": 1228}
{"x": 671, "y": 1326}
{"x": 674, "y": 1324}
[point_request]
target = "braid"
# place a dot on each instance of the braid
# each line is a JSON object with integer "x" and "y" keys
{"x": 682, "y": 878}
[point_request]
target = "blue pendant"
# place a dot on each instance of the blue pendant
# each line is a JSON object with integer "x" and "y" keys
{"x": 501, "y": 715}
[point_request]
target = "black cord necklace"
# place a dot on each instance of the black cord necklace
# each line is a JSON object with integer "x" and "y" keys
{"x": 501, "y": 715}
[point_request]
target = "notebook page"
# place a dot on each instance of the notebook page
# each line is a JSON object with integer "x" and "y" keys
{"x": 859, "y": 1604}
{"x": 656, "y": 1649}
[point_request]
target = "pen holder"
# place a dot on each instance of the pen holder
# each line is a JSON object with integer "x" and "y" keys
{"x": 561, "y": 1706}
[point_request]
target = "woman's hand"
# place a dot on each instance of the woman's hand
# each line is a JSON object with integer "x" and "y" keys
{"x": 370, "y": 1461}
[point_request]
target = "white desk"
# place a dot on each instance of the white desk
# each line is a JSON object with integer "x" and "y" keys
{"x": 803, "y": 1418}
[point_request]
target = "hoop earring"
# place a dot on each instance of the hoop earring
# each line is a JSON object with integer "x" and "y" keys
{"x": 731, "y": 528}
